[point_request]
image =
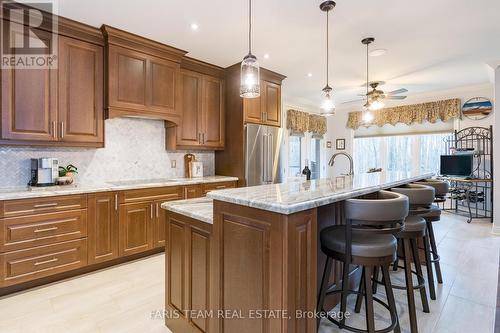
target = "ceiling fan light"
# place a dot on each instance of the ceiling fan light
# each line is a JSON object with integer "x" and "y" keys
{"x": 250, "y": 77}
{"x": 376, "y": 105}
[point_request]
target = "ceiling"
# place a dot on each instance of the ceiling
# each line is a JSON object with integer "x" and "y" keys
{"x": 432, "y": 45}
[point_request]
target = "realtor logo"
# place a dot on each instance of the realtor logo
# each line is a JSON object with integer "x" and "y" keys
{"x": 29, "y": 34}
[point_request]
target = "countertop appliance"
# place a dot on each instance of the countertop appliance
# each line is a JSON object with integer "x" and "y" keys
{"x": 44, "y": 171}
{"x": 262, "y": 154}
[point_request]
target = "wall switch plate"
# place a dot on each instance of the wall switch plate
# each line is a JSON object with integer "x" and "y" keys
{"x": 173, "y": 164}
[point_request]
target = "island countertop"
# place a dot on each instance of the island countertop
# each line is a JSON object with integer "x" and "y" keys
{"x": 295, "y": 196}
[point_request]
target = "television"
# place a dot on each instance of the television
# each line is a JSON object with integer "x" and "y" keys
{"x": 456, "y": 165}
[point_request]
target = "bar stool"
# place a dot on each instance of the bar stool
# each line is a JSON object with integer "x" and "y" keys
{"x": 441, "y": 189}
{"x": 366, "y": 240}
{"x": 420, "y": 198}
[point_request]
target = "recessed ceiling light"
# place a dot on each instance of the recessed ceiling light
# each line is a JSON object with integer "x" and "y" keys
{"x": 266, "y": 56}
{"x": 309, "y": 74}
{"x": 378, "y": 52}
{"x": 194, "y": 26}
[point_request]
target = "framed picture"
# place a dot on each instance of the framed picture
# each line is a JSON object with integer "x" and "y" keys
{"x": 340, "y": 144}
{"x": 477, "y": 108}
{"x": 328, "y": 144}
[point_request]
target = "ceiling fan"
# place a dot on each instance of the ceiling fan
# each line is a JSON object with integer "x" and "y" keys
{"x": 375, "y": 96}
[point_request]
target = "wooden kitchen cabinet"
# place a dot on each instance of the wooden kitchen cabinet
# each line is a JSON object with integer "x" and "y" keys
{"x": 61, "y": 106}
{"x": 159, "y": 222}
{"x": 266, "y": 109}
{"x": 143, "y": 77}
{"x": 135, "y": 228}
{"x": 80, "y": 114}
{"x": 203, "y": 108}
{"x": 103, "y": 227}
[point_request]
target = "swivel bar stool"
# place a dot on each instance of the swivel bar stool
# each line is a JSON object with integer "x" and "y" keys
{"x": 441, "y": 189}
{"x": 367, "y": 240}
{"x": 420, "y": 198}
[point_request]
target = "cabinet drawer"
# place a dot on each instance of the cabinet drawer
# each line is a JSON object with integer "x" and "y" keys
{"x": 24, "y": 232}
{"x": 25, "y": 265}
{"x": 151, "y": 194}
{"x": 192, "y": 191}
{"x": 217, "y": 186}
{"x": 42, "y": 205}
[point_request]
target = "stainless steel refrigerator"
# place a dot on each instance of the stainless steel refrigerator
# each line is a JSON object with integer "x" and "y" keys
{"x": 262, "y": 154}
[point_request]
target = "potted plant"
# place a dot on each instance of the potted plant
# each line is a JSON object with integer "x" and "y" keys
{"x": 66, "y": 174}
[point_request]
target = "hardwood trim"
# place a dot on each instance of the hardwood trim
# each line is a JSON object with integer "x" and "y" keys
{"x": 113, "y": 112}
{"x": 76, "y": 272}
{"x": 202, "y": 67}
{"x": 22, "y": 143}
{"x": 135, "y": 42}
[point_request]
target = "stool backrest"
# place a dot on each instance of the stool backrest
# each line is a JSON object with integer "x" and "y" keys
{"x": 418, "y": 195}
{"x": 381, "y": 209}
{"x": 441, "y": 187}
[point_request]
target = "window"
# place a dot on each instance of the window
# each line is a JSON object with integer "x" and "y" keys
{"x": 294, "y": 155}
{"x": 315, "y": 158}
{"x": 399, "y": 152}
{"x": 366, "y": 154}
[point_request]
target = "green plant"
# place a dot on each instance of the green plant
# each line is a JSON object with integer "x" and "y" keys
{"x": 70, "y": 168}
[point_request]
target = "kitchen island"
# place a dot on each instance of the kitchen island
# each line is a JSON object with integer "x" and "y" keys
{"x": 260, "y": 252}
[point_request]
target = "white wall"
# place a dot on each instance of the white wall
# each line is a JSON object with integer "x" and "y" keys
{"x": 337, "y": 123}
{"x": 135, "y": 149}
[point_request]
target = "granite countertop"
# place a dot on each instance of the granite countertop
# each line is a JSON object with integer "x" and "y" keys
{"x": 296, "y": 196}
{"x": 200, "y": 208}
{"x": 26, "y": 192}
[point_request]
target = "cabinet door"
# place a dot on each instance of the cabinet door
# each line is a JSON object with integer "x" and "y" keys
{"x": 163, "y": 85}
{"x": 159, "y": 224}
{"x": 188, "y": 132}
{"x": 102, "y": 227}
{"x": 127, "y": 78}
{"x": 29, "y": 102}
{"x": 135, "y": 228}
{"x": 271, "y": 103}
{"x": 252, "y": 110}
{"x": 80, "y": 91}
{"x": 213, "y": 112}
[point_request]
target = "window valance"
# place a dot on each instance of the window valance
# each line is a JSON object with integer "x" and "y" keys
{"x": 408, "y": 114}
{"x": 301, "y": 122}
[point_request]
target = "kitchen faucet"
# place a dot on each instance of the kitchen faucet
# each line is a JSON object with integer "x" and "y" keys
{"x": 351, "y": 167}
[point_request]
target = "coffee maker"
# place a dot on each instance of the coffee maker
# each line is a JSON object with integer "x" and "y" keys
{"x": 44, "y": 171}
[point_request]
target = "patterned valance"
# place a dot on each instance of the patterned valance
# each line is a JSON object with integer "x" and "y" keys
{"x": 317, "y": 124}
{"x": 409, "y": 114}
{"x": 301, "y": 122}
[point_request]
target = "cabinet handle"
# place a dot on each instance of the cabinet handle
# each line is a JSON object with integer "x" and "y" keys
{"x": 157, "y": 210}
{"x": 62, "y": 129}
{"x": 45, "y": 230}
{"x": 46, "y": 261}
{"x": 151, "y": 212}
{"x": 199, "y": 138}
{"x": 52, "y": 204}
{"x": 54, "y": 129}
{"x": 203, "y": 136}
{"x": 116, "y": 201}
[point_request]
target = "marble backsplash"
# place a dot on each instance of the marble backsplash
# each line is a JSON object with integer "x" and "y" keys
{"x": 134, "y": 149}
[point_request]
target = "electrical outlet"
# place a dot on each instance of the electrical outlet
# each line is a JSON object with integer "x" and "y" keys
{"x": 173, "y": 164}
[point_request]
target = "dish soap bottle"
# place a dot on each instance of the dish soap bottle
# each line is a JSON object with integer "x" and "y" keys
{"x": 307, "y": 172}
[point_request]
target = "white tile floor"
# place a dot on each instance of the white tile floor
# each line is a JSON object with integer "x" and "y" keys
{"x": 121, "y": 299}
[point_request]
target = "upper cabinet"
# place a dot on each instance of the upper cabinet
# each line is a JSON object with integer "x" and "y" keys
{"x": 143, "y": 77}
{"x": 266, "y": 109}
{"x": 202, "y": 107}
{"x": 61, "y": 106}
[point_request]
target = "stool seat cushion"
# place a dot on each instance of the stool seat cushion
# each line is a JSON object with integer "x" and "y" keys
{"x": 414, "y": 223}
{"x": 416, "y": 193}
{"x": 363, "y": 245}
{"x": 440, "y": 186}
{"x": 434, "y": 213}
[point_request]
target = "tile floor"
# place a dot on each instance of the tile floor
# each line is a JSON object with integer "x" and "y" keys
{"x": 121, "y": 298}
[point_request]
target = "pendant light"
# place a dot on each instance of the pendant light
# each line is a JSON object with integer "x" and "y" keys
{"x": 327, "y": 104}
{"x": 370, "y": 105}
{"x": 250, "y": 71}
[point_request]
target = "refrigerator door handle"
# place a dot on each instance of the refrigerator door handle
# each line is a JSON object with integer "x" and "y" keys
{"x": 264, "y": 156}
{"x": 270, "y": 158}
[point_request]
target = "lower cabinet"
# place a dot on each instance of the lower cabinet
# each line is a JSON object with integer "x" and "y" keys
{"x": 159, "y": 224}
{"x": 188, "y": 269}
{"x": 102, "y": 227}
{"x": 136, "y": 228}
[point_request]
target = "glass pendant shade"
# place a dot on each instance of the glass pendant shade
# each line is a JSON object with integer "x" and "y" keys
{"x": 377, "y": 105}
{"x": 367, "y": 116}
{"x": 250, "y": 77}
{"x": 327, "y": 104}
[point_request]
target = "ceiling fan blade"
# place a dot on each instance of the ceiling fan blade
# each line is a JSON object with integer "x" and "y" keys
{"x": 354, "y": 100}
{"x": 399, "y": 91}
{"x": 396, "y": 97}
